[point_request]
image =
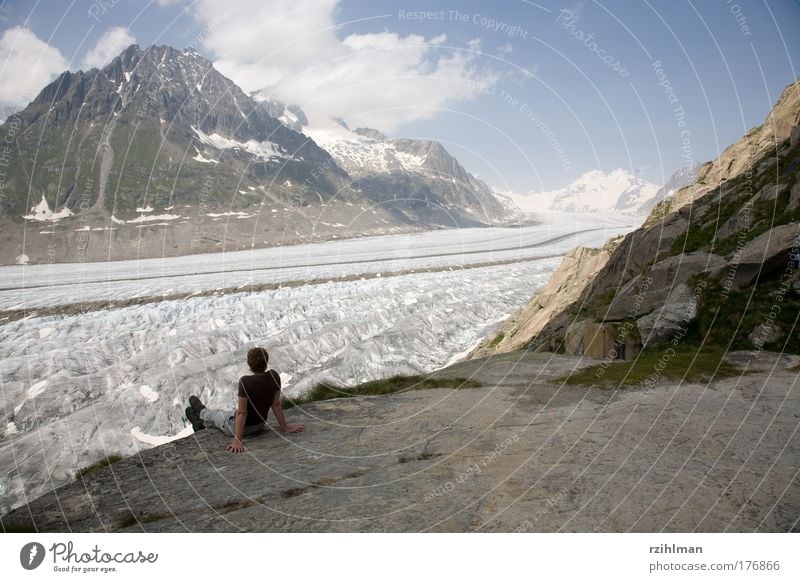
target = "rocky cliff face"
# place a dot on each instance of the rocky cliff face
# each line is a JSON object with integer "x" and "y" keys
{"x": 565, "y": 286}
{"x": 760, "y": 143}
{"x": 716, "y": 262}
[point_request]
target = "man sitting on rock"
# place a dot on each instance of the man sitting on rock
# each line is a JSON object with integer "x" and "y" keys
{"x": 257, "y": 394}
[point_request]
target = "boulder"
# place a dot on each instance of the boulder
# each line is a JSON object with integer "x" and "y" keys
{"x": 765, "y": 333}
{"x": 601, "y": 341}
{"x": 671, "y": 319}
{"x": 771, "y": 192}
{"x": 741, "y": 220}
{"x": 653, "y": 289}
{"x": 573, "y": 337}
{"x": 772, "y": 251}
{"x": 598, "y": 342}
{"x": 794, "y": 196}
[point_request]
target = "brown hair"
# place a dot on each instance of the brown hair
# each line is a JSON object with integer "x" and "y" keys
{"x": 257, "y": 359}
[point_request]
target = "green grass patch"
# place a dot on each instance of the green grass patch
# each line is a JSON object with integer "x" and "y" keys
{"x": 657, "y": 363}
{"x": 391, "y": 385}
{"x": 94, "y": 467}
{"x": 738, "y": 312}
{"x": 497, "y": 339}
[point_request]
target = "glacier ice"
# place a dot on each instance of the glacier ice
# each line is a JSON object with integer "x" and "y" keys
{"x": 76, "y": 388}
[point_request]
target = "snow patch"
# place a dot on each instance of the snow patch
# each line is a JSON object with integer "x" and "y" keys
{"x": 158, "y": 440}
{"x": 41, "y": 212}
{"x": 145, "y": 209}
{"x": 361, "y": 155}
{"x": 45, "y": 331}
{"x": 148, "y": 393}
{"x": 199, "y": 157}
{"x": 265, "y": 150}
{"x": 153, "y": 218}
{"x": 221, "y": 214}
{"x": 36, "y": 389}
{"x": 23, "y": 259}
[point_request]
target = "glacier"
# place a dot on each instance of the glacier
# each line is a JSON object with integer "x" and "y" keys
{"x": 76, "y": 388}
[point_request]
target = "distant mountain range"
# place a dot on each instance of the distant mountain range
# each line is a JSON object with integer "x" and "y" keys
{"x": 618, "y": 191}
{"x": 141, "y": 152}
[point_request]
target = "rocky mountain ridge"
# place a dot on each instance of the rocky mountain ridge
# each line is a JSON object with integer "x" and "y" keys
{"x": 710, "y": 264}
{"x": 421, "y": 174}
{"x": 158, "y": 153}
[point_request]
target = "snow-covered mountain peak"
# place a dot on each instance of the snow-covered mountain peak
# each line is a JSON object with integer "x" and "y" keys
{"x": 594, "y": 191}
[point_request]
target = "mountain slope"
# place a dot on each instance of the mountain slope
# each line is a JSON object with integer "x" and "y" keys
{"x": 418, "y": 179}
{"x": 145, "y": 129}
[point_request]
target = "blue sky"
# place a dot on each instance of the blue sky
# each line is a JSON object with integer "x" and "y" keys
{"x": 529, "y": 95}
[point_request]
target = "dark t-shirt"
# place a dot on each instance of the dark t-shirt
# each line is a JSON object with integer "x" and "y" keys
{"x": 259, "y": 389}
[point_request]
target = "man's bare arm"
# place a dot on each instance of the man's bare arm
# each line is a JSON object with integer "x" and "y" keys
{"x": 236, "y": 445}
{"x": 276, "y": 408}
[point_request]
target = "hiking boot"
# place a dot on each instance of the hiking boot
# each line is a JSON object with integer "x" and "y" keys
{"x": 197, "y": 423}
{"x": 196, "y": 404}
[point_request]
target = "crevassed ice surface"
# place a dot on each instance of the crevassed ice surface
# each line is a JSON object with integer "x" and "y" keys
{"x": 77, "y": 388}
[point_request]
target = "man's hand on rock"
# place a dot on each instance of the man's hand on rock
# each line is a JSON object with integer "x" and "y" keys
{"x": 290, "y": 428}
{"x": 236, "y": 446}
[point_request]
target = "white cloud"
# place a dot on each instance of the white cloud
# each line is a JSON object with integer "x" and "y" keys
{"x": 290, "y": 50}
{"x": 108, "y": 46}
{"x": 27, "y": 64}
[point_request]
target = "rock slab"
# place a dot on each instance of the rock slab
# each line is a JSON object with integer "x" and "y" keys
{"x": 523, "y": 453}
